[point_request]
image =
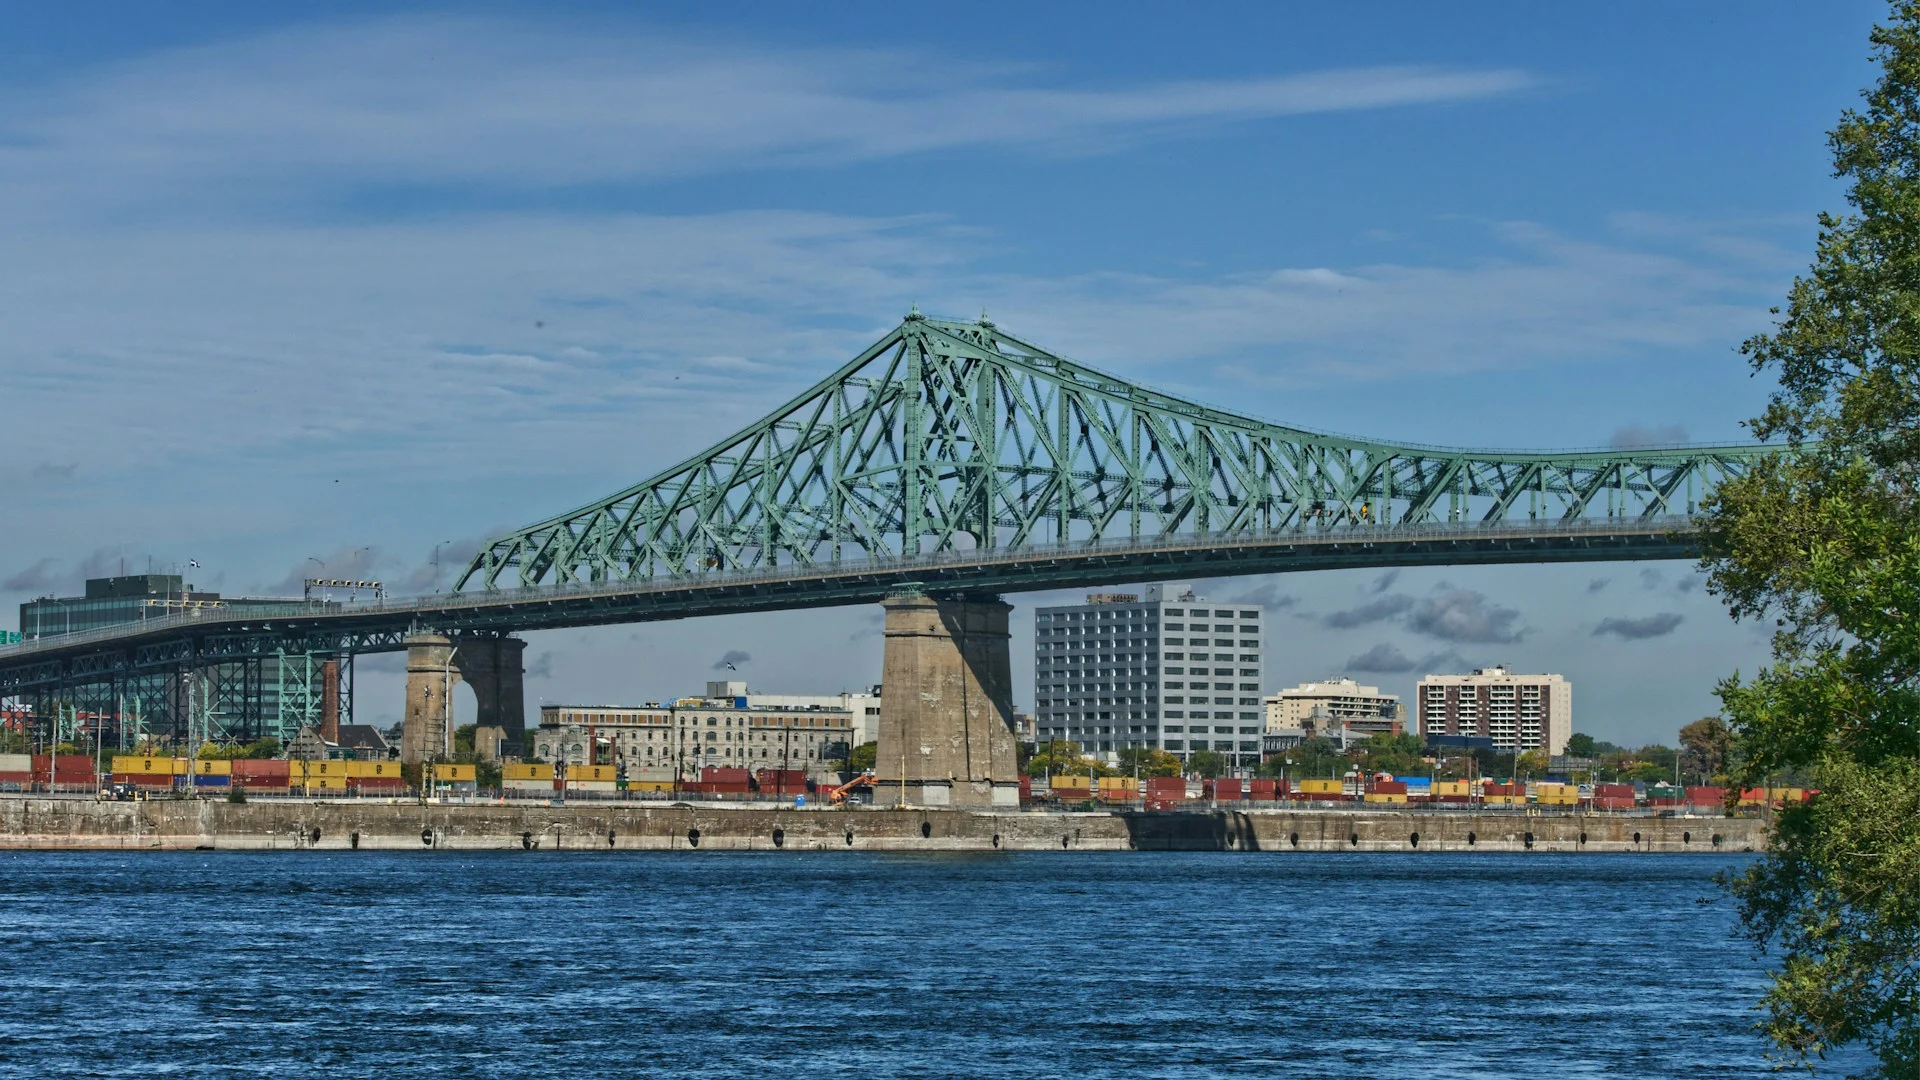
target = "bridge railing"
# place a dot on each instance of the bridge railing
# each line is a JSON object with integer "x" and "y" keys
{"x": 442, "y": 603}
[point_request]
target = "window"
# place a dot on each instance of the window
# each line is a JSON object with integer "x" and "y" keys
{"x": 1175, "y": 656}
{"x": 1174, "y": 714}
{"x": 1200, "y": 656}
{"x": 1223, "y": 731}
{"x": 1249, "y": 701}
{"x": 1255, "y": 672}
{"x": 1249, "y": 716}
{"x": 1249, "y": 731}
{"x": 1176, "y": 699}
{"x": 1176, "y": 626}
{"x": 1176, "y": 744}
{"x": 1255, "y": 745}
{"x": 1174, "y": 613}
{"x": 1197, "y": 744}
{"x": 1176, "y": 641}
{"x": 1249, "y": 686}
{"x": 1249, "y": 614}
{"x": 1178, "y": 686}
{"x": 1175, "y": 671}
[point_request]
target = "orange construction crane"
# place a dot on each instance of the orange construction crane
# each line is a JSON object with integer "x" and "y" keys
{"x": 838, "y": 796}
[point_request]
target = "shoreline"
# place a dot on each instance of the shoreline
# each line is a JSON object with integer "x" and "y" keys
{"x": 54, "y": 824}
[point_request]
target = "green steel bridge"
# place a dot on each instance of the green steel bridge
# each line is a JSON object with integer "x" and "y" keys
{"x": 953, "y": 457}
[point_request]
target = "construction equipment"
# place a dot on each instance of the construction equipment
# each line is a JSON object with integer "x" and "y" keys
{"x": 838, "y": 796}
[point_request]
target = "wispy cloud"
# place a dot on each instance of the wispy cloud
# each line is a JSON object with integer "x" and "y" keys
{"x": 551, "y": 102}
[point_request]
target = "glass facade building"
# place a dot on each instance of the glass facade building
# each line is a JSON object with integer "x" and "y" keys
{"x": 1167, "y": 670}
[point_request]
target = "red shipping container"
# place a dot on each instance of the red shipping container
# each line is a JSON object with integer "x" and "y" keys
{"x": 16, "y": 778}
{"x": 261, "y": 768}
{"x": 1228, "y": 790}
{"x": 145, "y": 780}
{"x": 1613, "y": 791}
{"x": 1026, "y": 787}
{"x": 1607, "y": 802}
{"x": 1388, "y": 787}
{"x": 714, "y": 774}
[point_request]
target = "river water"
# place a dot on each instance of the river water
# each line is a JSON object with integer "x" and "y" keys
{"x": 847, "y": 964}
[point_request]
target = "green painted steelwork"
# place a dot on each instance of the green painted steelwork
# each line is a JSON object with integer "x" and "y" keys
{"x": 955, "y": 437}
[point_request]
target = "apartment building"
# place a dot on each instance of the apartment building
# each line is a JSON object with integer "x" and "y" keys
{"x": 1361, "y": 710}
{"x": 1518, "y": 712}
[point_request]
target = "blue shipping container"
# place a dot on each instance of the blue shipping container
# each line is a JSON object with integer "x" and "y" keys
{"x": 212, "y": 781}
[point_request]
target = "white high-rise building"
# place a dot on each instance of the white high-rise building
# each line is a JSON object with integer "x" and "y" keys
{"x": 1165, "y": 670}
{"x": 1517, "y": 712}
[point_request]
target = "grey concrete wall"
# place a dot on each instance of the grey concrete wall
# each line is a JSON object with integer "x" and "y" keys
{"x": 946, "y": 717}
{"x": 295, "y": 824}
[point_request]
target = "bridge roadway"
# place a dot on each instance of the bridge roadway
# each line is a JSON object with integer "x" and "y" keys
{"x": 205, "y": 637}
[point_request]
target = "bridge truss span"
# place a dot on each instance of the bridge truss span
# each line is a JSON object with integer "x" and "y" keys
{"x": 956, "y": 438}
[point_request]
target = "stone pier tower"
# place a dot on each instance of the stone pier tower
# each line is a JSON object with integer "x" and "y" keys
{"x": 435, "y": 665}
{"x": 946, "y": 708}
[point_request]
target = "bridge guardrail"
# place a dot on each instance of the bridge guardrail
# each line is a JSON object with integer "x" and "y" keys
{"x": 446, "y": 602}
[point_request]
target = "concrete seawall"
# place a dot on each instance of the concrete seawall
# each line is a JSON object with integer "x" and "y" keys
{"x": 75, "y": 824}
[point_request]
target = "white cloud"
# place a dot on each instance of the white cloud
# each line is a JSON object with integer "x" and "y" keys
{"x": 425, "y": 100}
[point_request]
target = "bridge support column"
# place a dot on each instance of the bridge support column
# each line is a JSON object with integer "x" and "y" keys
{"x": 494, "y": 668}
{"x": 427, "y": 734}
{"x": 946, "y": 706}
{"x": 435, "y": 665}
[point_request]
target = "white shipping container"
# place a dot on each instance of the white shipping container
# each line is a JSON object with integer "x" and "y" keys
{"x": 16, "y": 763}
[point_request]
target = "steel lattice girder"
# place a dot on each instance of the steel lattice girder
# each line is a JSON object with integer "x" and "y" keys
{"x": 949, "y": 436}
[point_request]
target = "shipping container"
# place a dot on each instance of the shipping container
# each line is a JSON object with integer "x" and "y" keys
{"x": 1321, "y": 787}
{"x": 16, "y": 762}
{"x": 207, "y": 781}
{"x": 1227, "y": 790}
{"x": 714, "y": 774}
{"x": 442, "y": 772}
{"x": 1706, "y": 796}
{"x": 526, "y": 772}
{"x": 1388, "y": 787}
{"x": 1398, "y": 797}
{"x": 146, "y": 780}
{"x": 262, "y": 769}
{"x": 1446, "y": 788}
{"x": 321, "y": 783}
{"x": 134, "y": 763}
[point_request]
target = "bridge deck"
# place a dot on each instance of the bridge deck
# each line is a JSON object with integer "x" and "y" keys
{"x": 382, "y": 626}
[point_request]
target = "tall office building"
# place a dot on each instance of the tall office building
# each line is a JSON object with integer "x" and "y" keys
{"x": 1168, "y": 670}
{"x": 1518, "y": 712}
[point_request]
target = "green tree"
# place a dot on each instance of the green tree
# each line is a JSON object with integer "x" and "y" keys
{"x": 1312, "y": 759}
{"x": 1061, "y": 757}
{"x": 1825, "y": 541}
{"x": 1704, "y": 748}
{"x": 1401, "y": 755}
{"x": 1146, "y": 761}
{"x": 1206, "y": 764}
{"x": 1530, "y": 765}
{"x": 862, "y": 757}
{"x": 1580, "y": 744}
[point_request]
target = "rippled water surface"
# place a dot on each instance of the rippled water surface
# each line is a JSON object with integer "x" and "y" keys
{"x": 847, "y": 964}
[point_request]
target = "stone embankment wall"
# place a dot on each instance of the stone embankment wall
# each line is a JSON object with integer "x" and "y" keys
{"x": 301, "y": 825}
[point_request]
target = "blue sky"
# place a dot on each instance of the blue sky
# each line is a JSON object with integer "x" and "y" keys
{"x": 344, "y": 282}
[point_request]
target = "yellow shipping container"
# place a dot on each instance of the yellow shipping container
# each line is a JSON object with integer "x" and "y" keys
{"x": 1320, "y": 787}
{"x": 1506, "y": 800}
{"x": 323, "y": 783}
{"x": 1073, "y": 782}
{"x": 133, "y": 763}
{"x": 1385, "y": 797}
{"x": 649, "y": 785}
{"x": 1452, "y": 787}
{"x": 212, "y": 768}
{"x": 447, "y": 773}
{"x": 526, "y": 772}
{"x": 1117, "y": 783}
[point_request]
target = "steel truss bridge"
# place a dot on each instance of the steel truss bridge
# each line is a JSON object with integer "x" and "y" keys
{"x": 952, "y": 456}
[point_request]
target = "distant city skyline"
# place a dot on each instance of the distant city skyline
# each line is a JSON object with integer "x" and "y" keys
{"x": 361, "y": 287}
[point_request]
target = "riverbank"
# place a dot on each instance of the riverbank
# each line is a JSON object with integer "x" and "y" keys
{"x": 77, "y": 824}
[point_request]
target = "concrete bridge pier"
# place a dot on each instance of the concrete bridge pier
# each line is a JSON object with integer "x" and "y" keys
{"x": 946, "y": 716}
{"x": 436, "y": 663}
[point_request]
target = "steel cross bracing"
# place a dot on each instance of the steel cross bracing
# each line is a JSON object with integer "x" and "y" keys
{"x": 957, "y": 437}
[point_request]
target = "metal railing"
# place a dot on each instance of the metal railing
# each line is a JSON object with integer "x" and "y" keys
{"x": 892, "y": 565}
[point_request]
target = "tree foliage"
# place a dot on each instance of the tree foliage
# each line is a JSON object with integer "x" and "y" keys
{"x": 1825, "y": 541}
{"x": 1146, "y": 761}
{"x": 1580, "y": 744}
{"x": 1706, "y": 747}
{"x": 862, "y": 758}
{"x": 1206, "y": 764}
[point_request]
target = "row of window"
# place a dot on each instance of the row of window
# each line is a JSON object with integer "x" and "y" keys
{"x": 1245, "y": 658}
{"x": 1135, "y": 614}
{"x": 1215, "y": 745}
{"x": 1201, "y": 699}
